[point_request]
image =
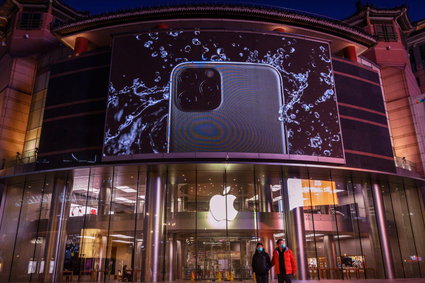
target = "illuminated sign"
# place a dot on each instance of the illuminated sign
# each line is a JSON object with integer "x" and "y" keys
{"x": 221, "y": 91}
{"x": 221, "y": 206}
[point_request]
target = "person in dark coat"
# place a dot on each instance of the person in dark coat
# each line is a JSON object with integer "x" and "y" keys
{"x": 126, "y": 274}
{"x": 261, "y": 264}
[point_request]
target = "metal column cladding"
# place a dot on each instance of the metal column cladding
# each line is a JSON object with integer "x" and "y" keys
{"x": 383, "y": 237}
{"x": 154, "y": 226}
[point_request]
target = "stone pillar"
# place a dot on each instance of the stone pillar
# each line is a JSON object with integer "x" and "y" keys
{"x": 381, "y": 223}
{"x": 153, "y": 254}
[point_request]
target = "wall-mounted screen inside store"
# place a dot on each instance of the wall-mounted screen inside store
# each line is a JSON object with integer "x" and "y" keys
{"x": 310, "y": 193}
{"x": 263, "y": 95}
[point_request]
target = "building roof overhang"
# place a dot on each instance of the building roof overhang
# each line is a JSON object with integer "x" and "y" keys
{"x": 99, "y": 28}
{"x": 399, "y": 14}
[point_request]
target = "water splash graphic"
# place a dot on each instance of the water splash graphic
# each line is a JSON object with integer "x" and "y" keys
{"x": 139, "y": 88}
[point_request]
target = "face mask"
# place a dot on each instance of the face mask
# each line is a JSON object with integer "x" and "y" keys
{"x": 260, "y": 249}
{"x": 283, "y": 246}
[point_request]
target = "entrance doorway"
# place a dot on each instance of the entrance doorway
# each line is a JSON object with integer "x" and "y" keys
{"x": 211, "y": 256}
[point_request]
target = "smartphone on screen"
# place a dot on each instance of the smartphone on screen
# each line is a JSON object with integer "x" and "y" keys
{"x": 225, "y": 107}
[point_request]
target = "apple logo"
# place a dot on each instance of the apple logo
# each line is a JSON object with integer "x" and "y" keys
{"x": 220, "y": 203}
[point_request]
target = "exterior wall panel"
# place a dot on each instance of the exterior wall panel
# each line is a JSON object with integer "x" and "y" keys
{"x": 363, "y": 120}
{"x": 66, "y": 215}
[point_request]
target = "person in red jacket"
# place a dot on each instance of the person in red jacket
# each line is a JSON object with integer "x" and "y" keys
{"x": 284, "y": 262}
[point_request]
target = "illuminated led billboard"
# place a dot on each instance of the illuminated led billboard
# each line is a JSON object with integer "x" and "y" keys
{"x": 215, "y": 91}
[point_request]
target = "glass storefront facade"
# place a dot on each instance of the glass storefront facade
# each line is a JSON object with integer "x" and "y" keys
{"x": 202, "y": 222}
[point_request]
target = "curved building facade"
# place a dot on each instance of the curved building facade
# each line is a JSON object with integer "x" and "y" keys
{"x": 162, "y": 144}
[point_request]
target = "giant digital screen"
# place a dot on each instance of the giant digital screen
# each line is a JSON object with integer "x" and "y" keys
{"x": 217, "y": 91}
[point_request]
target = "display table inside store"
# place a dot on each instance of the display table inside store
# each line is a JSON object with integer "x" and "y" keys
{"x": 348, "y": 272}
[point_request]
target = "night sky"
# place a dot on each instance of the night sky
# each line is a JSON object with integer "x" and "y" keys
{"x": 337, "y": 9}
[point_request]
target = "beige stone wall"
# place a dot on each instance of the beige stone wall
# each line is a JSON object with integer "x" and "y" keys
{"x": 397, "y": 99}
{"x": 16, "y": 85}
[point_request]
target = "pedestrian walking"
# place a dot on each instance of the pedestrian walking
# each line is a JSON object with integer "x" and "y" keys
{"x": 284, "y": 262}
{"x": 261, "y": 264}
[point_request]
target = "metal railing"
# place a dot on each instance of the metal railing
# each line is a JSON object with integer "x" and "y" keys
{"x": 402, "y": 162}
{"x": 18, "y": 161}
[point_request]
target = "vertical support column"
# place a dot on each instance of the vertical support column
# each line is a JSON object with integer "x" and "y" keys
{"x": 380, "y": 221}
{"x": 243, "y": 254}
{"x": 350, "y": 53}
{"x": 154, "y": 225}
{"x": 2, "y": 199}
{"x": 297, "y": 240}
{"x": 330, "y": 251}
{"x": 179, "y": 260}
{"x": 266, "y": 206}
{"x": 104, "y": 201}
{"x": 171, "y": 261}
{"x": 269, "y": 246}
{"x": 295, "y": 228}
{"x": 63, "y": 232}
{"x": 56, "y": 217}
{"x": 2, "y": 208}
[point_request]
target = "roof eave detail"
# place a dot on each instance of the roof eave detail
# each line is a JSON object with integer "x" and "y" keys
{"x": 277, "y": 16}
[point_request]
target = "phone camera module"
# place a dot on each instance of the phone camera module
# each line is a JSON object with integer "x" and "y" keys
{"x": 185, "y": 99}
{"x": 209, "y": 88}
{"x": 209, "y": 73}
{"x": 198, "y": 89}
{"x": 188, "y": 76}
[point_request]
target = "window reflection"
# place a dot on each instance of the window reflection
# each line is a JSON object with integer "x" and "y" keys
{"x": 124, "y": 241}
{"x": 340, "y": 232}
{"x": 89, "y": 224}
{"x": 218, "y": 244}
{"x": 396, "y": 200}
{"x": 28, "y": 257}
{"x": 104, "y": 226}
{"x": 416, "y": 210}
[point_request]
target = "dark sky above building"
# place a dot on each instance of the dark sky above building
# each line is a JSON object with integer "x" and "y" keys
{"x": 337, "y": 9}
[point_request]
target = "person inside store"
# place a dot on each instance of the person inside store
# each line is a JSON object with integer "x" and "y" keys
{"x": 126, "y": 274}
{"x": 284, "y": 262}
{"x": 261, "y": 264}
